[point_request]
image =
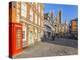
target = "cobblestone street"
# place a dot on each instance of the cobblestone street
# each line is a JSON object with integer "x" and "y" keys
{"x": 58, "y": 47}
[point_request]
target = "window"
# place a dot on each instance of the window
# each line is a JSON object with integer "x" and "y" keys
{"x": 35, "y": 18}
{"x": 31, "y": 15}
{"x": 36, "y": 6}
{"x": 23, "y": 9}
{"x": 39, "y": 21}
{"x": 39, "y": 7}
{"x": 17, "y": 12}
{"x": 14, "y": 4}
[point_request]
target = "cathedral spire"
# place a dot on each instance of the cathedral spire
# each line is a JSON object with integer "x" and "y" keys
{"x": 59, "y": 15}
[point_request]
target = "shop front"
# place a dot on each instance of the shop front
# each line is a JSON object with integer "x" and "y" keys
{"x": 39, "y": 35}
{"x": 35, "y": 34}
{"x": 24, "y": 35}
{"x": 30, "y": 35}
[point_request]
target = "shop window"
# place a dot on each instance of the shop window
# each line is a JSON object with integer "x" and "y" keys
{"x": 35, "y": 33}
{"x": 31, "y": 36}
{"x": 23, "y": 35}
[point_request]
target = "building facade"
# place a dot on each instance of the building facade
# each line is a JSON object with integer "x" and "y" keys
{"x": 58, "y": 25}
{"x": 73, "y": 28}
{"x": 74, "y": 25}
{"x": 28, "y": 19}
{"x": 48, "y": 27}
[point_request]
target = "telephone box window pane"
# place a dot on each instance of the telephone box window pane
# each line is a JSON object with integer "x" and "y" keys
{"x": 18, "y": 38}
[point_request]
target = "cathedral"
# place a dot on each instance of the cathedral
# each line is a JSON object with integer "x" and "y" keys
{"x": 59, "y": 27}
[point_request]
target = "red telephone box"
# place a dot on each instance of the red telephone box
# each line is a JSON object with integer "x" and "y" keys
{"x": 15, "y": 39}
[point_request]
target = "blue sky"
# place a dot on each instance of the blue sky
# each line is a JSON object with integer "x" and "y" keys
{"x": 68, "y": 11}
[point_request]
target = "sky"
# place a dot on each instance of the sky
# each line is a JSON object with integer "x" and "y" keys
{"x": 69, "y": 12}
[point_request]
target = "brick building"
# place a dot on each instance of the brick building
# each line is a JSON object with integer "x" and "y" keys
{"x": 74, "y": 25}
{"x": 25, "y": 25}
